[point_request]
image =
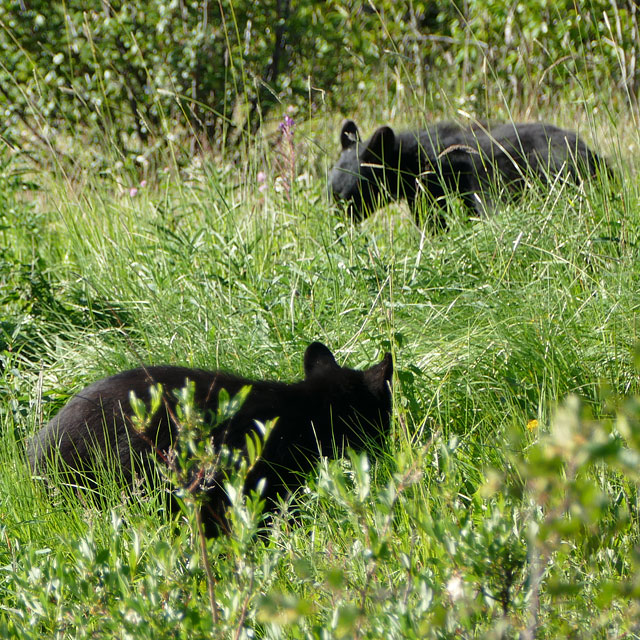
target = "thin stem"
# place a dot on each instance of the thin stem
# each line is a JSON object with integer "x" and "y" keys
{"x": 211, "y": 581}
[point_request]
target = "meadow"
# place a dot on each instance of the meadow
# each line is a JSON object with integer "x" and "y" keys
{"x": 504, "y": 503}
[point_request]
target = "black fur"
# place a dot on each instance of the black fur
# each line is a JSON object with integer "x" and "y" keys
{"x": 447, "y": 157}
{"x": 333, "y": 407}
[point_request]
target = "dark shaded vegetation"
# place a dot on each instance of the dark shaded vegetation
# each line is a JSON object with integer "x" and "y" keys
{"x": 125, "y": 76}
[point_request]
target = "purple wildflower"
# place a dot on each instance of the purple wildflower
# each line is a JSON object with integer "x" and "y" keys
{"x": 286, "y": 126}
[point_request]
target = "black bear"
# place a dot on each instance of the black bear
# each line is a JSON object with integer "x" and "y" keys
{"x": 471, "y": 161}
{"x": 333, "y": 407}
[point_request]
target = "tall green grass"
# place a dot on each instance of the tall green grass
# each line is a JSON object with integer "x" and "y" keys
{"x": 490, "y": 513}
{"x": 491, "y": 324}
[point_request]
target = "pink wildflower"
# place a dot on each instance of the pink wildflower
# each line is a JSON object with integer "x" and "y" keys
{"x": 261, "y": 177}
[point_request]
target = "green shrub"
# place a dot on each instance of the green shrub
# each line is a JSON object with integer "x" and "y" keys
{"x": 129, "y": 74}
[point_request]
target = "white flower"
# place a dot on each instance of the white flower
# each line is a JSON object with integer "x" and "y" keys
{"x": 454, "y": 587}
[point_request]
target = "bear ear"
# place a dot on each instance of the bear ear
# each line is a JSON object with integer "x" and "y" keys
{"x": 379, "y": 376}
{"x": 382, "y": 142}
{"x": 317, "y": 357}
{"x": 349, "y": 134}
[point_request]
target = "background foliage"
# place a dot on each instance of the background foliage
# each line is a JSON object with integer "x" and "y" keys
{"x": 128, "y": 73}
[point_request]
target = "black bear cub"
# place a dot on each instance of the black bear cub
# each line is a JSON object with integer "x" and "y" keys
{"x": 333, "y": 407}
{"x": 471, "y": 161}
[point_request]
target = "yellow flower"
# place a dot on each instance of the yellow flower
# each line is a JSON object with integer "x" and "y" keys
{"x": 532, "y": 424}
